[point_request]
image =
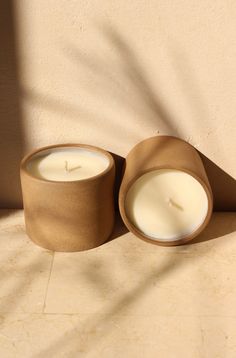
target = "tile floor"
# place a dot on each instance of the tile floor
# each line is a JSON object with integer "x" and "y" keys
{"x": 125, "y": 298}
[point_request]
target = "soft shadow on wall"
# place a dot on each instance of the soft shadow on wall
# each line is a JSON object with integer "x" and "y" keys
{"x": 151, "y": 106}
{"x": 215, "y": 229}
{"x": 107, "y": 80}
{"x": 11, "y": 132}
{"x": 129, "y": 299}
{"x": 223, "y": 185}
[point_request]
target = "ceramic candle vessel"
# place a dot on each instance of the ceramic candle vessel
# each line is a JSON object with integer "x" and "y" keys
{"x": 165, "y": 196}
{"x": 68, "y": 215}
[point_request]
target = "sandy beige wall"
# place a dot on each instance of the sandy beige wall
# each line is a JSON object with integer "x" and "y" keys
{"x": 111, "y": 73}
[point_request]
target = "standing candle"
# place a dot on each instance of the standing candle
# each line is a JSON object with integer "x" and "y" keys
{"x": 68, "y": 196}
{"x": 67, "y": 164}
{"x": 165, "y": 196}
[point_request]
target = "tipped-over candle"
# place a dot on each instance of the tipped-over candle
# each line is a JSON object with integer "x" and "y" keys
{"x": 166, "y": 204}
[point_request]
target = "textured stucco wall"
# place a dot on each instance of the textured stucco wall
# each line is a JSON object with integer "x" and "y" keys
{"x": 111, "y": 73}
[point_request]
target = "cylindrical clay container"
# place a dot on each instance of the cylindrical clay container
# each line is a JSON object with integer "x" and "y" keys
{"x": 68, "y": 196}
{"x": 165, "y": 196}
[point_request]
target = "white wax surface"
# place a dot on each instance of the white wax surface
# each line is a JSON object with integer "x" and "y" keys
{"x": 166, "y": 204}
{"x": 67, "y": 164}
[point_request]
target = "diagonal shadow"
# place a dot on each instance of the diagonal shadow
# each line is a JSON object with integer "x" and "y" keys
{"x": 224, "y": 200}
{"x": 215, "y": 228}
{"x": 11, "y": 131}
{"x": 108, "y": 76}
{"x": 136, "y": 75}
{"x": 97, "y": 322}
{"x": 151, "y": 106}
{"x": 222, "y": 184}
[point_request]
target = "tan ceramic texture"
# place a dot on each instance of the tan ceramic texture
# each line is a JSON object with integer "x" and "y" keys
{"x": 163, "y": 152}
{"x": 69, "y": 216}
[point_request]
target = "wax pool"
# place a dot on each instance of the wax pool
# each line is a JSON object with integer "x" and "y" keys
{"x": 166, "y": 204}
{"x": 67, "y": 164}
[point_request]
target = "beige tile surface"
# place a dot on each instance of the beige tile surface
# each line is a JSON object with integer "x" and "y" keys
{"x": 24, "y": 278}
{"x": 129, "y": 276}
{"x": 41, "y": 336}
{"x": 12, "y": 232}
{"x": 219, "y": 334}
{"x": 125, "y": 298}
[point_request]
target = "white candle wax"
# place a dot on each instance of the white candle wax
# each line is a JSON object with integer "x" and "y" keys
{"x": 166, "y": 204}
{"x": 67, "y": 163}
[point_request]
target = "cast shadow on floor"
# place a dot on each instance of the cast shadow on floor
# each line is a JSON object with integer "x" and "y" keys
{"x": 220, "y": 225}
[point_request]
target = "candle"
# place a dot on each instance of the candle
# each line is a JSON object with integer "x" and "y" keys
{"x": 67, "y": 164}
{"x": 165, "y": 196}
{"x": 68, "y": 196}
{"x": 166, "y": 204}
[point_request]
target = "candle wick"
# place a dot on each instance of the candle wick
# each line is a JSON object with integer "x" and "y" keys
{"x": 74, "y": 168}
{"x": 176, "y": 205}
{"x": 68, "y": 170}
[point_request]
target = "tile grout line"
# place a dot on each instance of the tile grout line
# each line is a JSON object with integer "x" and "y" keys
{"x": 202, "y": 333}
{"x": 46, "y": 292}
